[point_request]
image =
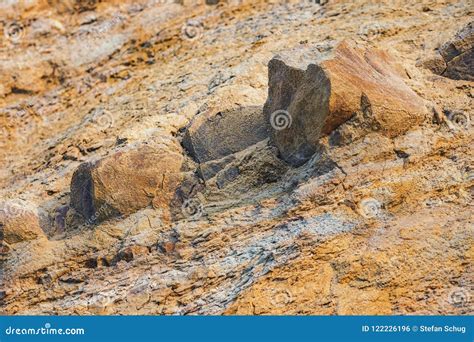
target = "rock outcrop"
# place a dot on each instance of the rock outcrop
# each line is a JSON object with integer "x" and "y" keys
{"x": 455, "y": 58}
{"x": 19, "y": 221}
{"x": 127, "y": 181}
{"x": 214, "y": 135}
{"x": 229, "y": 123}
{"x": 311, "y": 93}
{"x": 458, "y": 54}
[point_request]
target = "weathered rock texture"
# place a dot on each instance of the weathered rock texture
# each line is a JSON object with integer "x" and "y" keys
{"x": 321, "y": 90}
{"x": 455, "y": 58}
{"x": 458, "y": 54}
{"x": 230, "y": 122}
{"x": 19, "y": 222}
{"x": 125, "y": 182}
{"x": 378, "y": 220}
{"x": 213, "y": 136}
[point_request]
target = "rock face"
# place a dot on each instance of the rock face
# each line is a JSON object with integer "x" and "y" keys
{"x": 19, "y": 222}
{"x": 227, "y": 126}
{"x": 458, "y": 54}
{"x": 126, "y": 182}
{"x": 312, "y": 93}
{"x": 214, "y": 135}
{"x": 369, "y": 225}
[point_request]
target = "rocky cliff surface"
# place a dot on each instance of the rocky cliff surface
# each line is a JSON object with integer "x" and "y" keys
{"x": 236, "y": 157}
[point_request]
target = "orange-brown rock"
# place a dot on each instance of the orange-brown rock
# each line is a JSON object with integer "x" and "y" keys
{"x": 19, "y": 222}
{"x": 369, "y": 225}
{"x": 311, "y": 93}
{"x": 132, "y": 252}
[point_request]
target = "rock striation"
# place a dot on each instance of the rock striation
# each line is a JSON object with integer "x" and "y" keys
{"x": 254, "y": 157}
{"x": 19, "y": 222}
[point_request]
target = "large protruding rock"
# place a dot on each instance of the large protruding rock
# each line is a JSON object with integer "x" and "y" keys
{"x": 231, "y": 121}
{"x": 214, "y": 135}
{"x": 126, "y": 182}
{"x": 458, "y": 54}
{"x": 19, "y": 221}
{"x": 312, "y": 93}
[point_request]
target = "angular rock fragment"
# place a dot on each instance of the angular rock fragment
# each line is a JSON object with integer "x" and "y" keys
{"x": 458, "y": 54}
{"x": 252, "y": 168}
{"x": 126, "y": 182}
{"x": 214, "y": 135}
{"x": 19, "y": 222}
{"x": 312, "y": 93}
{"x": 231, "y": 122}
{"x": 129, "y": 253}
{"x": 434, "y": 62}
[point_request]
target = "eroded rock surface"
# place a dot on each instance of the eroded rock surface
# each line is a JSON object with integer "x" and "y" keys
{"x": 375, "y": 219}
{"x": 313, "y": 92}
{"x": 125, "y": 182}
{"x": 455, "y": 58}
{"x": 458, "y": 54}
{"x": 230, "y": 123}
